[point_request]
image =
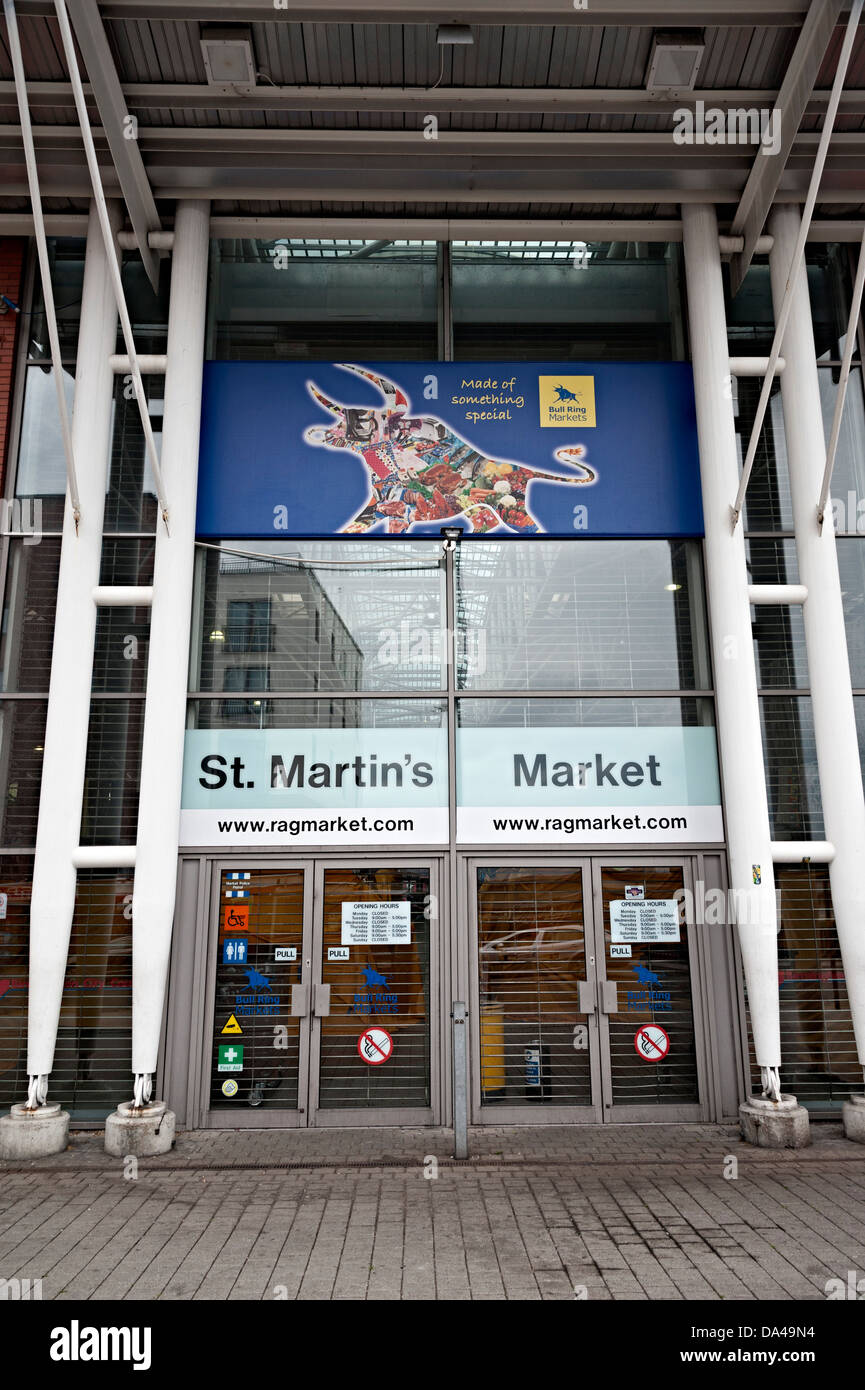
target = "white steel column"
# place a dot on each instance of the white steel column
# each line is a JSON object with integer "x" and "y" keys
{"x": 825, "y": 636}
{"x": 739, "y": 735}
{"x": 58, "y": 832}
{"x": 168, "y": 660}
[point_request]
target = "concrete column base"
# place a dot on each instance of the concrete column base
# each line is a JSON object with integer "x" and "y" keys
{"x": 34, "y": 1133}
{"x": 853, "y": 1116}
{"x": 143, "y": 1132}
{"x": 774, "y": 1124}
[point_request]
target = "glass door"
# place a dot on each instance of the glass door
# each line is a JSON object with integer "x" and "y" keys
{"x": 585, "y": 1007}
{"x": 259, "y": 1043}
{"x": 321, "y": 989}
{"x": 536, "y": 1025}
{"x": 371, "y": 1016}
{"x": 648, "y": 1006}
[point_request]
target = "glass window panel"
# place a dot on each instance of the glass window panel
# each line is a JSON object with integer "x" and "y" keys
{"x": 66, "y": 257}
{"x": 395, "y": 993}
{"x": 111, "y": 773}
{"x": 16, "y": 877}
{"x": 589, "y": 301}
{"x": 122, "y": 634}
{"x": 41, "y": 459}
{"x": 750, "y": 313}
{"x": 767, "y": 503}
{"x": 520, "y": 713}
{"x": 317, "y": 714}
{"x": 92, "y": 1061}
{"x": 331, "y": 300}
{"x": 531, "y": 959}
{"x": 22, "y": 736}
{"x": 28, "y": 615}
{"x": 848, "y": 476}
{"x": 851, "y": 568}
{"x": 130, "y": 503}
{"x": 580, "y": 614}
{"x": 334, "y": 616}
{"x": 790, "y": 757}
{"x": 637, "y": 1080}
{"x": 779, "y": 632}
{"x": 817, "y": 1041}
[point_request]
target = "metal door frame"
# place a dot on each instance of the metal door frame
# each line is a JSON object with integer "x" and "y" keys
{"x": 530, "y": 1114}
{"x": 383, "y": 1115}
{"x": 602, "y": 1110}
{"x": 253, "y": 1117}
{"x": 653, "y": 1114}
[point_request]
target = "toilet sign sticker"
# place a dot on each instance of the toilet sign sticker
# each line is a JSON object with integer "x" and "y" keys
{"x": 651, "y": 1043}
{"x": 375, "y": 1045}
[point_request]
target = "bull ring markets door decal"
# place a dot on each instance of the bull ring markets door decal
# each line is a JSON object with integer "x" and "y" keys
{"x": 506, "y": 449}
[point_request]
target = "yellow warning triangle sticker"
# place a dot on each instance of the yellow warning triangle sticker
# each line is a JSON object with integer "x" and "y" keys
{"x": 232, "y": 1026}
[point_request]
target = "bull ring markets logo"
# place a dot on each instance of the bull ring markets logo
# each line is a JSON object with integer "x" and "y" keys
{"x": 77, "y": 1343}
{"x": 567, "y": 402}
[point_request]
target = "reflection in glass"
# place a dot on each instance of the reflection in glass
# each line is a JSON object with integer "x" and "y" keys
{"x": 531, "y": 959}
{"x": 329, "y": 616}
{"x": 580, "y": 615}
{"x": 583, "y": 301}
{"x": 307, "y": 299}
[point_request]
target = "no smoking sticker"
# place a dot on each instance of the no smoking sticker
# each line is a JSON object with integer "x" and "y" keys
{"x": 651, "y": 1042}
{"x": 375, "y": 1045}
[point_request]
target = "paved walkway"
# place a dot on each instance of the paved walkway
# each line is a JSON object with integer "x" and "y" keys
{"x": 631, "y": 1212}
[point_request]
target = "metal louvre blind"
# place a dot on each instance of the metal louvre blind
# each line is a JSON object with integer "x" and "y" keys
{"x": 384, "y": 985}
{"x": 22, "y": 730}
{"x": 92, "y": 1061}
{"x": 779, "y": 632}
{"x": 345, "y": 341}
{"x": 112, "y": 772}
{"x": 818, "y": 1050}
{"x": 792, "y": 777}
{"x": 602, "y": 614}
{"x": 547, "y": 342}
{"x": 16, "y": 877}
{"x": 122, "y": 634}
{"x": 261, "y": 1052}
{"x": 531, "y": 957}
{"x": 664, "y": 999}
{"x": 28, "y": 617}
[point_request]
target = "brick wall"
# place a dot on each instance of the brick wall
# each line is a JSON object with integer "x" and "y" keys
{"x": 11, "y": 275}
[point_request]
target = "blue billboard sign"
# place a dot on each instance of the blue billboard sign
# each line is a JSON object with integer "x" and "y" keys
{"x": 325, "y": 449}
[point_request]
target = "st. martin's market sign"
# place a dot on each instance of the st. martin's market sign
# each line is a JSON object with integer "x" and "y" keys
{"x": 301, "y": 787}
{"x": 504, "y": 449}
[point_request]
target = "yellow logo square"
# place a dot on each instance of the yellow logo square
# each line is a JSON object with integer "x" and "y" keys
{"x": 567, "y": 402}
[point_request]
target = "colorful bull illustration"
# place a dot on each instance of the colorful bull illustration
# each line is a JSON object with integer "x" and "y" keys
{"x": 372, "y": 977}
{"x": 421, "y": 470}
{"x": 645, "y": 976}
{"x": 256, "y": 981}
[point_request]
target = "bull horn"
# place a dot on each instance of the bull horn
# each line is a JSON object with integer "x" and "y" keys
{"x": 323, "y": 399}
{"x": 389, "y": 389}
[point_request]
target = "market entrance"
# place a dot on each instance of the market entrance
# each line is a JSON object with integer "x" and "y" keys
{"x": 321, "y": 990}
{"x": 585, "y": 1001}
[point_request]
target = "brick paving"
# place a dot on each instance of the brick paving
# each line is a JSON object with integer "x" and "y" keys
{"x": 626, "y": 1212}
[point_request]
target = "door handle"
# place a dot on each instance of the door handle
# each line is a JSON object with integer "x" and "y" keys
{"x": 609, "y": 997}
{"x": 321, "y": 1000}
{"x": 586, "y": 997}
{"x": 299, "y": 1001}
